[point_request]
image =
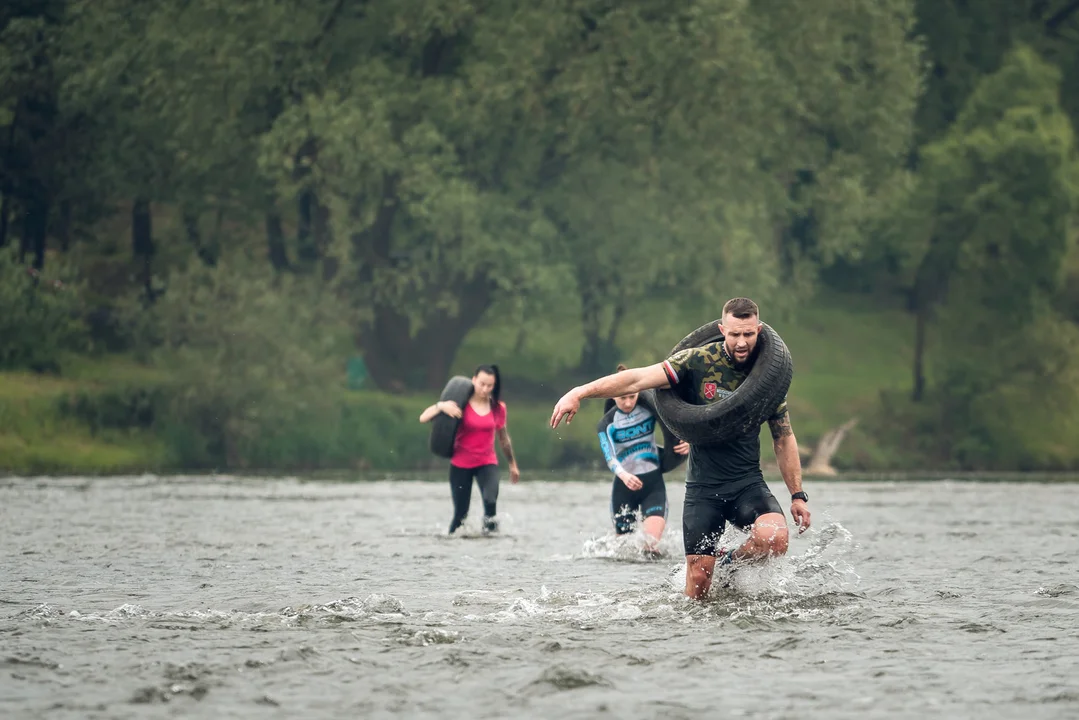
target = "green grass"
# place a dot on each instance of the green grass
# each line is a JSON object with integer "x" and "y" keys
{"x": 843, "y": 358}
{"x": 371, "y": 430}
{"x": 78, "y": 453}
{"x": 109, "y": 370}
{"x": 35, "y": 436}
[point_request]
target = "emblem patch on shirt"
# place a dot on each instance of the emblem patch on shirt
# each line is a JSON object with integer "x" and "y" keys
{"x": 709, "y": 390}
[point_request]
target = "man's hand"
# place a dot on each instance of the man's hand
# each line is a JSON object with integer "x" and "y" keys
{"x": 568, "y": 406}
{"x": 449, "y": 407}
{"x": 632, "y": 481}
{"x": 515, "y": 474}
{"x": 682, "y": 448}
{"x": 800, "y": 513}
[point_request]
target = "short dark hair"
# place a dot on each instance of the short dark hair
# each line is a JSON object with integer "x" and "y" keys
{"x": 621, "y": 367}
{"x": 741, "y": 308}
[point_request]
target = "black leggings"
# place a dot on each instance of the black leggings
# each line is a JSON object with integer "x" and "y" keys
{"x": 461, "y": 490}
{"x": 650, "y": 500}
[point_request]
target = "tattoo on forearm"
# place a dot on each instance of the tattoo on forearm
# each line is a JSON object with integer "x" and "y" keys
{"x": 507, "y": 448}
{"x": 781, "y": 428}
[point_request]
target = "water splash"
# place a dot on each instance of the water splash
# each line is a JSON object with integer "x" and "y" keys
{"x": 635, "y": 546}
{"x": 820, "y": 581}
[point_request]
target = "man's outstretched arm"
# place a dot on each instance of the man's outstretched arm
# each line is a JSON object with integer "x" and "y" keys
{"x": 610, "y": 386}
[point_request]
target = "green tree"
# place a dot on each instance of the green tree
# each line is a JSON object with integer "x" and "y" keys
{"x": 39, "y": 149}
{"x": 636, "y": 145}
{"x": 966, "y": 41}
{"x": 247, "y": 352}
{"x": 984, "y": 237}
{"x": 442, "y": 158}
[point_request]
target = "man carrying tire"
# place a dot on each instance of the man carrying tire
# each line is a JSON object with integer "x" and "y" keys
{"x": 724, "y": 483}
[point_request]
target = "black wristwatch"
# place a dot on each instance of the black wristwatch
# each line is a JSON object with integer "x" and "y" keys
{"x": 800, "y": 495}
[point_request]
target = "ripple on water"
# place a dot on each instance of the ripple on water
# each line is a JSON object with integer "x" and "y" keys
{"x": 379, "y": 608}
{"x": 559, "y": 678}
{"x": 228, "y": 596}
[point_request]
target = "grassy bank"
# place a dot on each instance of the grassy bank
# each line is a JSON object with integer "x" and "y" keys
{"x": 37, "y": 436}
{"x": 100, "y": 416}
{"x": 52, "y": 425}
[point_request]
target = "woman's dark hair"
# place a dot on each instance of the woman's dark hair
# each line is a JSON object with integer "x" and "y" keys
{"x": 492, "y": 370}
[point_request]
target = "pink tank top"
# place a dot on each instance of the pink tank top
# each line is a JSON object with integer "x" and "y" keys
{"x": 474, "y": 444}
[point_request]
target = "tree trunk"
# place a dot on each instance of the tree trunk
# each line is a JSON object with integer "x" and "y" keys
{"x": 590, "y": 311}
{"x": 617, "y": 313}
{"x": 208, "y": 255}
{"x": 191, "y": 229}
{"x": 312, "y": 229}
{"x": 821, "y": 461}
{"x": 321, "y": 228}
{"x": 399, "y": 362}
{"x": 1061, "y": 16}
{"x": 5, "y": 213}
{"x": 444, "y": 337}
{"x": 142, "y": 243}
{"x": 35, "y": 228}
{"x": 305, "y": 243}
{"x": 63, "y": 228}
{"x": 7, "y": 186}
{"x": 215, "y": 236}
{"x": 598, "y": 351}
{"x": 40, "y": 236}
{"x": 24, "y": 236}
{"x": 275, "y": 242}
{"x": 921, "y": 319}
{"x": 306, "y": 206}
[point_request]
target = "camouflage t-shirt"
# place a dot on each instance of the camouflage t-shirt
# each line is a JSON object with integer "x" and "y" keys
{"x": 705, "y": 375}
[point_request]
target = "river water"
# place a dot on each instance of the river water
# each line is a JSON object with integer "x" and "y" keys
{"x": 272, "y": 598}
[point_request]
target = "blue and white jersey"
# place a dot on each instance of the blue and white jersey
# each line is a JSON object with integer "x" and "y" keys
{"x": 629, "y": 440}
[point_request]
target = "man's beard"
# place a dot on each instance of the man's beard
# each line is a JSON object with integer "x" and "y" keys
{"x": 748, "y": 362}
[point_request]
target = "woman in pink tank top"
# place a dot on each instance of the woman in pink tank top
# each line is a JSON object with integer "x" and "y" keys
{"x": 481, "y": 421}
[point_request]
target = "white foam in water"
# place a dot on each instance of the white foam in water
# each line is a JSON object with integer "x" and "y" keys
{"x": 800, "y": 584}
{"x": 822, "y": 567}
{"x": 632, "y": 546}
{"x": 472, "y": 527}
{"x": 376, "y": 607}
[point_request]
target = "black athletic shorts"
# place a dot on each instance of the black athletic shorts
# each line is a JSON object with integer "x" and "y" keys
{"x": 707, "y": 510}
{"x": 650, "y": 500}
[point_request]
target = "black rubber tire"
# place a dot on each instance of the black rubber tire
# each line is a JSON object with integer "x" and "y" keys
{"x": 743, "y": 411}
{"x": 444, "y": 427}
{"x": 668, "y": 458}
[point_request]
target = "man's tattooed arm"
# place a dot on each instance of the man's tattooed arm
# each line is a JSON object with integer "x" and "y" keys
{"x": 781, "y": 426}
{"x": 786, "y": 447}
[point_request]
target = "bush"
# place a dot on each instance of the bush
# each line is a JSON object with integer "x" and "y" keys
{"x": 39, "y": 313}
{"x": 1016, "y": 409}
{"x": 121, "y": 407}
{"x": 250, "y": 356}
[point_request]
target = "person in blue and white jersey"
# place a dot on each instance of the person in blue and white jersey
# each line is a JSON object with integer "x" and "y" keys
{"x": 627, "y": 436}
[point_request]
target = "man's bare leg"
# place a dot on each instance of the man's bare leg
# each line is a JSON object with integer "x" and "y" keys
{"x": 768, "y": 537}
{"x": 699, "y": 575}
